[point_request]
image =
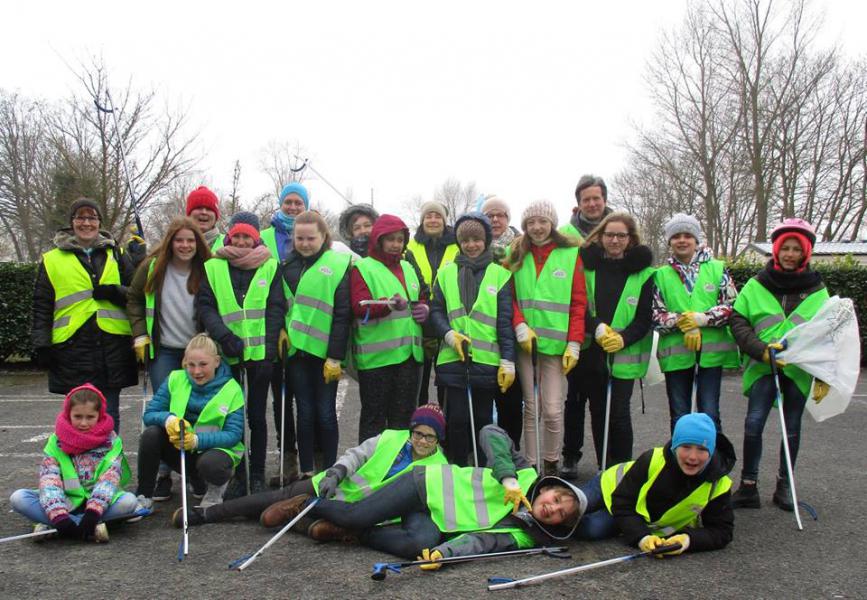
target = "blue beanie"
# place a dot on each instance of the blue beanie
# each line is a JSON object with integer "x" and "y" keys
{"x": 694, "y": 428}
{"x": 295, "y": 188}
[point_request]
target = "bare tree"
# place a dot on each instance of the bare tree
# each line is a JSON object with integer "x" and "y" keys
{"x": 457, "y": 197}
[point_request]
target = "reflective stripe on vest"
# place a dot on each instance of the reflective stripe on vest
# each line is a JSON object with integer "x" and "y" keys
{"x": 392, "y": 339}
{"x": 420, "y": 253}
{"x": 630, "y": 362}
{"x": 73, "y": 295}
{"x": 545, "y": 299}
{"x": 248, "y": 323}
{"x": 481, "y": 324}
{"x": 213, "y": 416}
{"x": 468, "y": 498}
{"x": 718, "y": 347}
{"x": 312, "y": 306}
{"x": 372, "y": 475}
{"x": 685, "y": 513}
{"x": 764, "y": 312}
{"x": 76, "y": 492}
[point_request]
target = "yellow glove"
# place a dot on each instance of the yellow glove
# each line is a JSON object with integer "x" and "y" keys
{"x": 612, "y": 342}
{"x": 173, "y": 427}
{"x": 283, "y": 344}
{"x": 820, "y": 390}
{"x": 766, "y": 356}
{"x": 505, "y": 375}
{"x": 680, "y": 538}
{"x": 650, "y": 542}
{"x": 331, "y": 370}
{"x": 514, "y": 495}
{"x": 433, "y": 555}
{"x": 691, "y": 320}
{"x": 140, "y": 345}
{"x": 191, "y": 440}
{"x": 525, "y": 337}
{"x": 456, "y": 341}
{"x": 692, "y": 340}
{"x": 570, "y": 356}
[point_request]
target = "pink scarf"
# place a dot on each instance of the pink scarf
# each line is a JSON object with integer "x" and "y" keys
{"x": 71, "y": 440}
{"x": 245, "y": 258}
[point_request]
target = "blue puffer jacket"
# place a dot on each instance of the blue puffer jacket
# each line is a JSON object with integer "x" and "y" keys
{"x": 157, "y": 411}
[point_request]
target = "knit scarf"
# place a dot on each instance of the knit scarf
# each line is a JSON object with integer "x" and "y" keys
{"x": 245, "y": 258}
{"x": 71, "y": 440}
{"x": 283, "y": 221}
{"x": 468, "y": 283}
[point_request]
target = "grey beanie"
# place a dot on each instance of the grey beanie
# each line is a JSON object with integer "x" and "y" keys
{"x": 682, "y": 223}
{"x": 84, "y": 203}
{"x": 245, "y": 217}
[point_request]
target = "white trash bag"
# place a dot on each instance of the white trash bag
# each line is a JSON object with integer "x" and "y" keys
{"x": 828, "y": 347}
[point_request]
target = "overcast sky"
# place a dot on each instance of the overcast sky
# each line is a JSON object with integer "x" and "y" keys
{"x": 521, "y": 98}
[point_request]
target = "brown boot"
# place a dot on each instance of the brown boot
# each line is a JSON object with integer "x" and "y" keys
{"x": 326, "y": 531}
{"x": 290, "y": 470}
{"x": 280, "y": 513}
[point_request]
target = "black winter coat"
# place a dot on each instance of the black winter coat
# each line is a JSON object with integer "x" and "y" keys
{"x": 275, "y": 308}
{"x": 341, "y": 319}
{"x": 483, "y": 376}
{"x": 90, "y": 355}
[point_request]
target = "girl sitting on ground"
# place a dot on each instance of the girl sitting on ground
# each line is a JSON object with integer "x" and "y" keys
{"x": 82, "y": 474}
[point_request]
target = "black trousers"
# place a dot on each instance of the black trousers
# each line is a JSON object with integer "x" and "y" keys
{"x": 510, "y": 411}
{"x": 280, "y": 378}
{"x": 258, "y": 379}
{"x": 458, "y": 442}
{"x": 388, "y": 398}
{"x": 252, "y": 506}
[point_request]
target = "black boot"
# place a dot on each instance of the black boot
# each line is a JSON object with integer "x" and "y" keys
{"x": 747, "y": 496}
{"x": 783, "y": 494}
{"x": 237, "y": 487}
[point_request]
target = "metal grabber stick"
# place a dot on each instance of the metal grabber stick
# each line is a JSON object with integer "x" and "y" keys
{"x": 772, "y": 356}
{"x": 246, "y": 389}
{"x": 537, "y": 402}
{"x": 467, "y": 359}
{"x": 245, "y": 561}
{"x": 610, "y": 366}
{"x": 184, "y": 546}
{"x": 283, "y": 362}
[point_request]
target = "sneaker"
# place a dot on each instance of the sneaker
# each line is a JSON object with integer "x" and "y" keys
{"x": 100, "y": 534}
{"x": 214, "y": 495}
{"x": 569, "y": 470}
{"x": 280, "y": 513}
{"x": 322, "y": 530}
{"x": 195, "y": 516}
{"x": 746, "y": 496}
{"x": 39, "y": 528}
{"x": 163, "y": 489}
{"x": 783, "y": 495}
{"x": 145, "y": 503}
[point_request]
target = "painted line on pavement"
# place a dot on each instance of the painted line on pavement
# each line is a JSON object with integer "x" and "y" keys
{"x": 40, "y": 455}
{"x": 49, "y": 427}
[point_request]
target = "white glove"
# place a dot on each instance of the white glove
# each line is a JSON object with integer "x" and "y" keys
{"x": 574, "y": 349}
{"x": 600, "y": 330}
{"x": 522, "y": 332}
{"x": 507, "y": 366}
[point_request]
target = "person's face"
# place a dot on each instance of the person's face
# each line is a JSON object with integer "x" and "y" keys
{"x": 683, "y": 247}
{"x": 85, "y": 226}
{"x": 201, "y": 366}
{"x": 292, "y": 205}
{"x": 242, "y": 240}
{"x": 791, "y": 255}
{"x": 433, "y": 223}
{"x": 473, "y": 247}
{"x": 392, "y": 243}
{"x": 591, "y": 203}
{"x": 362, "y": 225}
{"x": 691, "y": 458}
{"x": 615, "y": 239}
{"x": 499, "y": 222}
{"x": 83, "y": 416}
{"x": 554, "y": 506}
{"x": 184, "y": 245}
{"x": 424, "y": 440}
{"x": 308, "y": 239}
{"x": 539, "y": 230}
{"x": 204, "y": 218}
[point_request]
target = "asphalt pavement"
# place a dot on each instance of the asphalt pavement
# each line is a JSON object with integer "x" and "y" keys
{"x": 769, "y": 557}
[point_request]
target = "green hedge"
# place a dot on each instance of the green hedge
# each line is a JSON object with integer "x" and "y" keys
{"x": 16, "y": 305}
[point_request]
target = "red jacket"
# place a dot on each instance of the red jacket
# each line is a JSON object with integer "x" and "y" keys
{"x": 577, "y": 303}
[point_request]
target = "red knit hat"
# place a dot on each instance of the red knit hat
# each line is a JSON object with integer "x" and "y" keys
{"x": 806, "y": 246}
{"x": 202, "y": 197}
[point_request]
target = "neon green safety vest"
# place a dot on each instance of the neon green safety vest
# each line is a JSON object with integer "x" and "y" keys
{"x": 269, "y": 238}
{"x": 248, "y": 323}
{"x": 685, "y": 513}
{"x": 770, "y": 323}
{"x": 391, "y": 339}
{"x": 464, "y": 499}
{"x": 420, "y": 253}
{"x": 481, "y": 324}
{"x": 545, "y": 300}
{"x": 218, "y": 243}
{"x": 718, "y": 347}
{"x": 311, "y": 308}
{"x": 630, "y": 362}
{"x": 73, "y": 296}
{"x": 213, "y": 416}
{"x": 570, "y": 229}
{"x": 77, "y": 493}
{"x": 373, "y": 474}
{"x": 150, "y": 310}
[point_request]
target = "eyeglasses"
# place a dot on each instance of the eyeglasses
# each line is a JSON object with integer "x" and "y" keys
{"x": 430, "y": 438}
{"x": 493, "y": 216}
{"x": 610, "y": 235}
{"x": 86, "y": 219}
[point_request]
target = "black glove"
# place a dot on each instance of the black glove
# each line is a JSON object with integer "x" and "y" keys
{"x": 43, "y": 357}
{"x": 107, "y": 292}
{"x": 328, "y": 484}
{"x": 88, "y": 523}
{"x": 67, "y": 528}
{"x": 232, "y": 346}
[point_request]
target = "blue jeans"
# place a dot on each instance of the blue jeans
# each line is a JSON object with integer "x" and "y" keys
{"x": 26, "y": 502}
{"x": 597, "y": 523}
{"x": 678, "y": 385}
{"x": 761, "y": 401}
{"x": 317, "y": 411}
{"x": 165, "y": 361}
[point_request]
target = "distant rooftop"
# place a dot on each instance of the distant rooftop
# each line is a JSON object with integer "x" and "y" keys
{"x": 821, "y": 248}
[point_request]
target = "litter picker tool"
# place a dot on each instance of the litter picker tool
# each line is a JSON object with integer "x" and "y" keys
{"x": 380, "y": 570}
{"x": 243, "y": 372}
{"x": 137, "y": 515}
{"x": 609, "y": 362}
{"x": 245, "y": 561}
{"x": 144, "y": 389}
{"x": 283, "y": 377}
{"x": 503, "y": 583}
{"x": 466, "y": 348}
{"x": 537, "y": 403}
{"x": 184, "y": 546}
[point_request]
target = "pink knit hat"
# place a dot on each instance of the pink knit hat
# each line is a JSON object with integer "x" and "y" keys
{"x": 539, "y": 208}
